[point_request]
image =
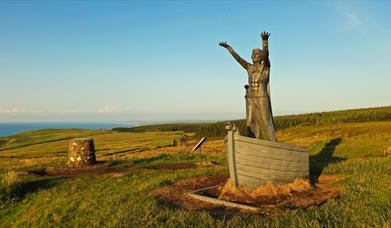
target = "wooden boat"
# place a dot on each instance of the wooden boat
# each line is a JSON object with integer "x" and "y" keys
{"x": 252, "y": 162}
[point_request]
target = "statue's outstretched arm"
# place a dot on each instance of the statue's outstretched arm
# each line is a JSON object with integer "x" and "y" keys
{"x": 265, "y": 47}
{"x": 239, "y": 59}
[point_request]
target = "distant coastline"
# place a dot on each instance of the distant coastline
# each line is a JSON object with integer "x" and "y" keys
{"x": 7, "y": 129}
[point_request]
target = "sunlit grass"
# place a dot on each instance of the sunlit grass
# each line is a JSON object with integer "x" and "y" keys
{"x": 357, "y": 139}
{"x": 52, "y": 146}
{"x": 351, "y": 150}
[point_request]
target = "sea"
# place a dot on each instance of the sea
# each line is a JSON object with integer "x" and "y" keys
{"x": 7, "y": 129}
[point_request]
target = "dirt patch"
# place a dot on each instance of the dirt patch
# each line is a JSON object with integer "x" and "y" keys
{"x": 271, "y": 199}
{"x": 175, "y": 195}
{"x": 105, "y": 168}
{"x": 84, "y": 171}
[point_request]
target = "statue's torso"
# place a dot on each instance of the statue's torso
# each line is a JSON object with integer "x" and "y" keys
{"x": 258, "y": 79}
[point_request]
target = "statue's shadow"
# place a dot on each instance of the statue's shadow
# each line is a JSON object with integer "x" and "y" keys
{"x": 319, "y": 161}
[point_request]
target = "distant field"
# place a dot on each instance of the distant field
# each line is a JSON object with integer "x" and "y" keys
{"x": 281, "y": 122}
{"x": 39, "y": 147}
{"x": 354, "y": 150}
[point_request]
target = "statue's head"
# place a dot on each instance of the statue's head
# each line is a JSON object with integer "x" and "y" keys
{"x": 257, "y": 55}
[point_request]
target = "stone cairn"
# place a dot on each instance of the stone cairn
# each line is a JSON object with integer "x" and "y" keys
{"x": 81, "y": 152}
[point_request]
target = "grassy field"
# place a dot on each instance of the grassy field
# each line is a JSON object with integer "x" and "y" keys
{"x": 354, "y": 150}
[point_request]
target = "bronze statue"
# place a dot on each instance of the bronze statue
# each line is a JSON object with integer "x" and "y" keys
{"x": 259, "y": 116}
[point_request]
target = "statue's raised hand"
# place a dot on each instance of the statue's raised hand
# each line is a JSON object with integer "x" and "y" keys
{"x": 265, "y": 35}
{"x": 224, "y": 44}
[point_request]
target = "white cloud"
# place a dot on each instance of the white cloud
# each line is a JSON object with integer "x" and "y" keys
{"x": 107, "y": 108}
{"x": 11, "y": 110}
{"x": 352, "y": 20}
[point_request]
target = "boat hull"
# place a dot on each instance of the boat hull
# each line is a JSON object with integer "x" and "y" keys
{"x": 253, "y": 162}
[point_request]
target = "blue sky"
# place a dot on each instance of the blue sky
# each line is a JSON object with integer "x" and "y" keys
{"x": 155, "y": 60}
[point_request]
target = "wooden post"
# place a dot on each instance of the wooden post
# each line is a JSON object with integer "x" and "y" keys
{"x": 230, "y": 147}
{"x": 81, "y": 152}
{"x": 175, "y": 142}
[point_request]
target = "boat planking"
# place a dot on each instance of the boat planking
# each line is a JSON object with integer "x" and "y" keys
{"x": 253, "y": 162}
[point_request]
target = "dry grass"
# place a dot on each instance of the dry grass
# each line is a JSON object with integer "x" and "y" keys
{"x": 10, "y": 179}
{"x": 299, "y": 194}
{"x": 230, "y": 192}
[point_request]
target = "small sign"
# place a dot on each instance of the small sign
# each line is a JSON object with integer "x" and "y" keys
{"x": 199, "y": 144}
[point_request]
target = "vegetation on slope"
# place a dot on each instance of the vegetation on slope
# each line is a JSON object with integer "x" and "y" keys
{"x": 281, "y": 122}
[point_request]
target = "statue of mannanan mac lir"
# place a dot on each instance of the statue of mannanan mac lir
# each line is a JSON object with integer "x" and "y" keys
{"x": 259, "y": 116}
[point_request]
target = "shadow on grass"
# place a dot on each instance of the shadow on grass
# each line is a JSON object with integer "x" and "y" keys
{"x": 319, "y": 161}
{"x": 119, "y": 163}
{"x": 20, "y": 190}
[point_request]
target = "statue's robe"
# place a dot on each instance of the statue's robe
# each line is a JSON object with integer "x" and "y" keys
{"x": 259, "y": 115}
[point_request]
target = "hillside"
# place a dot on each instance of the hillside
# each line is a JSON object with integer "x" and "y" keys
{"x": 145, "y": 161}
{"x": 281, "y": 122}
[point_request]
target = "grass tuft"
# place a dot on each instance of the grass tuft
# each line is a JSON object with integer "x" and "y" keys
{"x": 10, "y": 179}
